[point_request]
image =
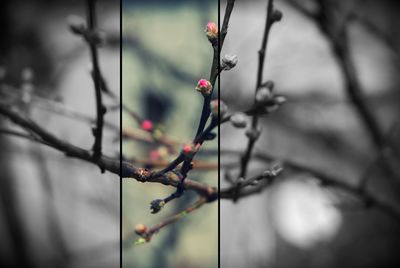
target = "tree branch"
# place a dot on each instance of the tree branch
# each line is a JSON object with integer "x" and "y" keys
{"x": 100, "y": 108}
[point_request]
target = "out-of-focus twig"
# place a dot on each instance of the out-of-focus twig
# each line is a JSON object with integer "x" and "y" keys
{"x": 148, "y": 234}
{"x": 370, "y": 199}
{"x": 271, "y": 18}
{"x": 100, "y": 108}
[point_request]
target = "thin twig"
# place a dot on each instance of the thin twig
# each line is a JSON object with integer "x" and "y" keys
{"x": 215, "y": 71}
{"x": 327, "y": 180}
{"x": 269, "y": 21}
{"x": 110, "y": 164}
{"x": 146, "y": 236}
{"x": 224, "y": 29}
{"x": 100, "y": 108}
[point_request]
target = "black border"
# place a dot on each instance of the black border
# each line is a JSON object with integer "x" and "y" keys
{"x": 219, "y": 136}
{"x": 120, "y": 122}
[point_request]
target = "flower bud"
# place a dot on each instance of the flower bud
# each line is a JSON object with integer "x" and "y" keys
{"x": 141, "y": 241}
{"x": 263, "y": 95}
{"x": 140, "y": 229}
{"x": 280, "y": 100}
{"x": 218, "y": 107}
{"x": 189, "y": 150}
{"x": 277, "y": 169}
{"x": 154, "y": 155}
{"x": 223, "y": 108}
{"x": 156, "y": 205}
{"x": 253, "y": 134}
{"x": 212, "y": 31}
{"x": 147, "y": 125}
{"x": 239, "y": 120}
{"x": 204, "y": 87}
{"x": 269, "y": 84}
{"x": 214, "y": 107}
{"x": 273, "y": 171}
{"x": 276, "y": 15}
{"x": 229, "y": 62}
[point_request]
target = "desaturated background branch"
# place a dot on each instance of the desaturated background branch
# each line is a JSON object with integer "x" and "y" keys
{"x": 338, "y": 135}
{"x": 56, "y": 211}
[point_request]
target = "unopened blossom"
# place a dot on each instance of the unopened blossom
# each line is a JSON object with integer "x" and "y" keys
{"x": 280, "y": 100}
{"x": 214, "y": 106}
{"x": 276, "y": 15}
{"x": 189, "y": 150}
{"x": 263, "y": 95}
{"x": 239, "y": 120}
{"x": 218, "y": 107}
{"x": 253, "y": 133}
{"x": 147, "y": 125}
{"x": 229, "y": 62}
{"x": 156, "y": 205}
{"x": 212, "y": 31}
{"x": 140, "y": 229}
{"x": 204, "y": 87}
{"x": 154, "y": 155}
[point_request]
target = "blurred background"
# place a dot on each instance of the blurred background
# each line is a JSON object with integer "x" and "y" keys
{"x": 296, "y": 222}
{"x": 165, "y": 53}
{"x": 56, "y": 211}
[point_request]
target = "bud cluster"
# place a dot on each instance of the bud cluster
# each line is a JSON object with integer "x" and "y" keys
{"x": 265, "y": 96}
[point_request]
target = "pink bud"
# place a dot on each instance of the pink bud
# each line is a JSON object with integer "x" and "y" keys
{"x": 203, "y": 83}
{"x": 218, "y": 107}
{"x": 140, "y": 229}
{"x": 212, "y": 31}
{"x": 147, "y": 125}
{"x": 187, "y": 149}
{"x": 154, "y": 155}
{"x": 204, "y": 87}
{"x": 212, "y": 27}
{"x": 214, "y": 106}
